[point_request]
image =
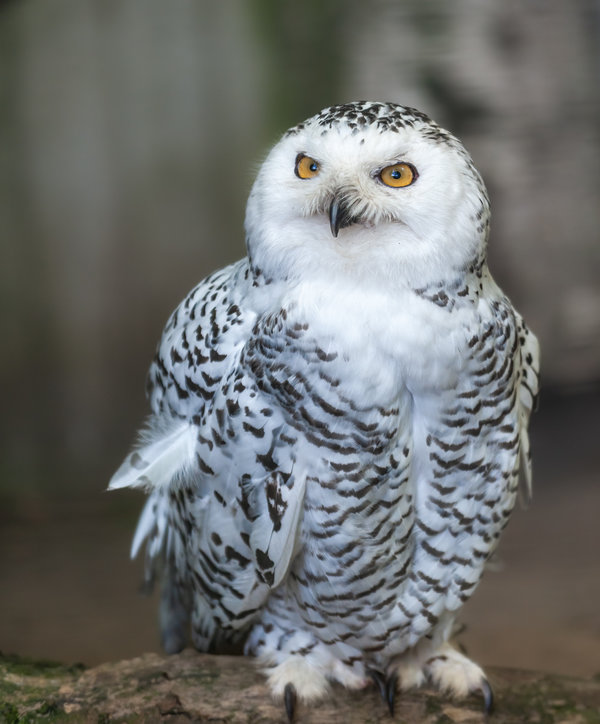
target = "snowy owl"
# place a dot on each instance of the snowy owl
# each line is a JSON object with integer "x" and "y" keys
{"x": 339, "y": 420}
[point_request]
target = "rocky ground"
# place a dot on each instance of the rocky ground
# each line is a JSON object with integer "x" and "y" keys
{"x": 202, "y": 688}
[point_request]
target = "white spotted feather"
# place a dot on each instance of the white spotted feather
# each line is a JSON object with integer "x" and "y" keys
{"x": 163, "y": 454}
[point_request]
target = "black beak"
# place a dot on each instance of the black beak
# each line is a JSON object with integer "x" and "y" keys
{"x": 339, "y": 215}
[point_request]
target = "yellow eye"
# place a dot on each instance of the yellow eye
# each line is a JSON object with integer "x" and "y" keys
{"x": 306, "y": 167}
{"x": 398, "y": 175}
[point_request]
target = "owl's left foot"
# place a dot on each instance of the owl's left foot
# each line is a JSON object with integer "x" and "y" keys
{"x": 456, "y": 674}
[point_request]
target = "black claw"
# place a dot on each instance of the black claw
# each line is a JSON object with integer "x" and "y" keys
{"x": 488, "y": 696}
{"x": 379, "y": 679}
{"x": 289, "y": 697}
{"x": 390, "y": 692}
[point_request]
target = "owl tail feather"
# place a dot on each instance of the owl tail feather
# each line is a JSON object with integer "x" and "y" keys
{"x": 163, "y": 453}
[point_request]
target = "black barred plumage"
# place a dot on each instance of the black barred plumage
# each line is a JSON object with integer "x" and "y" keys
{"x": 340, "y": 420}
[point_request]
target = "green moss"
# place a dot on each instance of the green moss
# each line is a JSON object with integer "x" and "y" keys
{"x": 204, "y": 677}
{"x": 6, "y": 687}
{"x": 23, "y": 666}
{"x": 432, "y": 705}
{"x": 36, "y": 701}
{"x": 9, "y": 714}
{"x": 547, "y": 699}
{"x": 47, "y": 708}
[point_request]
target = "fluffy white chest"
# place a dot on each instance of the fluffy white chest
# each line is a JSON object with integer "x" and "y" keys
{"x": 386, "y": 340}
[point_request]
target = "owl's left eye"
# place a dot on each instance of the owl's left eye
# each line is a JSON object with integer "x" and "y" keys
{"x": 398, "y": 175}
{"x": 306, "y": 167}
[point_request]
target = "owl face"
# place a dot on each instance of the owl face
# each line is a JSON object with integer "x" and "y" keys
{"x": 368, "y": 190}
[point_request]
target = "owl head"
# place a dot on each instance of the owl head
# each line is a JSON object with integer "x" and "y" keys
{"x": 374, "y": 192}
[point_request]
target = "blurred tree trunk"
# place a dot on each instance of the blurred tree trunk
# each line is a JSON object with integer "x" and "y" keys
{"x": 190, "y": 686}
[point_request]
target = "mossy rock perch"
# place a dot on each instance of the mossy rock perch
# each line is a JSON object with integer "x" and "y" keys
{"x": 191, "y": 687}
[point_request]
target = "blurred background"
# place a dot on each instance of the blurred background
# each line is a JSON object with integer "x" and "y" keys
{"x": 130, "y": 132}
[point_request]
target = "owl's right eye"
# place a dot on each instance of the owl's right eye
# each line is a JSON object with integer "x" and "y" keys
{"x": 306, "y": 167}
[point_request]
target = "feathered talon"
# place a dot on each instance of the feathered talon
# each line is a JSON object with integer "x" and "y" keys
{"x": 379, "y": 680}
{"x": 488, "y": 696}
{"x": 289, "y": 697}
{"x": 390, "y": 692}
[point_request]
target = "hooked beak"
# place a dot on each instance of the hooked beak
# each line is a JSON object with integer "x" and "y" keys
{"x": 339, "y": 215}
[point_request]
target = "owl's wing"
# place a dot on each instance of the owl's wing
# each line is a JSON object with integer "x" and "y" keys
{"x": 528, "y": 393}
{"x": 196, "y": 351}
{"x": 473, "y": 449}
{"x": 225, "y": 500}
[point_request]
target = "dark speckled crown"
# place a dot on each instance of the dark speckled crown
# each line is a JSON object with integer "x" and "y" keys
{"x": 359, "y": 115}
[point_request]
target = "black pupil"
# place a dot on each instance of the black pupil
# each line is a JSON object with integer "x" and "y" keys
{"x": 313, "y": 166}
{"x": 395, "y": 173}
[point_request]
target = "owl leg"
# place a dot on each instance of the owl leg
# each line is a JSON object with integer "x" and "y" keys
{"x": 295, "y": 679}
{"x": 309, "y": 675}
{"x": 448, "y": 669}
{"x": 456, "y": 674}
{"x": 299, "y": 667}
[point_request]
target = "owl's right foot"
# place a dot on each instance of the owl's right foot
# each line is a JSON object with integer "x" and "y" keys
{"x": 298, "y": 679}
{"x": 307, "y": 681}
